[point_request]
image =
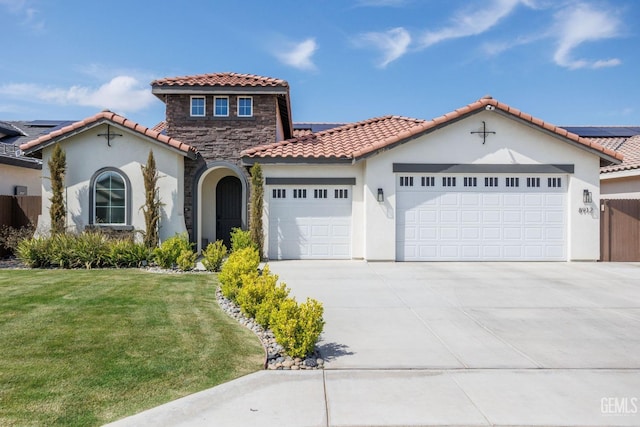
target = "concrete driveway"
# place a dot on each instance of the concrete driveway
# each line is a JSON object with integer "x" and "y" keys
{"x": 473, "y": 315}
{"x": 459, "y": 344}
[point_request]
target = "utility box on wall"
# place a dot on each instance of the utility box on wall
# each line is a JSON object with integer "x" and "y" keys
{"x": 20, "y": 190}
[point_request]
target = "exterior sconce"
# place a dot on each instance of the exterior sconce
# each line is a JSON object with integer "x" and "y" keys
{"x": 586, "y": 197}
{"x": 380, "y": 195}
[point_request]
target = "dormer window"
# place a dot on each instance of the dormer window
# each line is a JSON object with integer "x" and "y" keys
{"x": 221, "y": 106}
{"x": 245, "y": 106}
{"x": 198, "y": 106}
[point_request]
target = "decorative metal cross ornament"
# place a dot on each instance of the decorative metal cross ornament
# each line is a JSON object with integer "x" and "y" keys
{"x": 109, "y": 135}
{"x": 484, "y": 132}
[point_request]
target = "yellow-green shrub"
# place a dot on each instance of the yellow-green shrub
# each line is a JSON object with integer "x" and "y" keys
{"x": 169, "y": 251}
{"x": 260, "y": 295}
{"x": 239, "y": 263}
{"x": 297, "y": 327}
{"x": 213, "y": 255}
{"x": 187, "y": 260}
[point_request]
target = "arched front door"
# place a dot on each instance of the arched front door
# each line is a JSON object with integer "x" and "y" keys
{"x": 228, "y": 207}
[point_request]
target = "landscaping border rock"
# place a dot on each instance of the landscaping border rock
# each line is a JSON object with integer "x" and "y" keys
{"x": 276, "y": 357}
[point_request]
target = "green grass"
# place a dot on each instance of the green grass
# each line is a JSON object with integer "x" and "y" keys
{"x": 88, "y": 347}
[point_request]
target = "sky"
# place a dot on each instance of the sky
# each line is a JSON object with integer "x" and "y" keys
{"x": 568, "y": 62}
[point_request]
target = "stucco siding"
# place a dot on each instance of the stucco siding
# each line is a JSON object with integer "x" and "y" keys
{"x": 10, "y": 176}
{"x": 620, "y": 188}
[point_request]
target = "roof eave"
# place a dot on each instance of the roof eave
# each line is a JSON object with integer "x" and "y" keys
{"x": 605, "y": 159}
{"x": 250, "y": 161}
{"x": 36, "y": 150}
{"x": 158, "y": 90}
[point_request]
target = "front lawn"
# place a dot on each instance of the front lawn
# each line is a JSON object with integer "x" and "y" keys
{"x": 86, "y": 347}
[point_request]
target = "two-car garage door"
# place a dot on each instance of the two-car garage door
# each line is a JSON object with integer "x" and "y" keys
{"x": 479, "y": 217}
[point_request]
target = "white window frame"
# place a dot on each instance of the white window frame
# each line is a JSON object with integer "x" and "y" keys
{"x": 215, "y": 98}
{"x": 204, "y": 106}
{"x": 250, "y": 98}
{"x": 95, "y": 198}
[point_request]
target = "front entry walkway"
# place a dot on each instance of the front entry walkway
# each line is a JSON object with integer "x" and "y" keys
{"x": 447, "y": 343}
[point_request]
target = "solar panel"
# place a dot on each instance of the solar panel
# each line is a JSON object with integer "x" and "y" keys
{"x": 604, "y": 131}
{"x": 316, "y": 127}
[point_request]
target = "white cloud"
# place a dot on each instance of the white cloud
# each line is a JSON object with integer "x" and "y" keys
{"x": 472, "y": 22}
{"x": 298, "y": 55}
{"x": 30, "y": 15}
{"x": 393, "y": 43}
{"x": 580, "y": 24}
{"x": 123, "y": 94}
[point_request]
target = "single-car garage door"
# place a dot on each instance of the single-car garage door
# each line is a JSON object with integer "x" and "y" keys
{"x": 310, "y": 222}
{"x": 481, "y": 217}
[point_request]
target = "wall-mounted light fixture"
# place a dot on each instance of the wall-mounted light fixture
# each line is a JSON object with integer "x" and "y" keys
{"x": 380, "y": 195}
{"x": 586, "y": 197}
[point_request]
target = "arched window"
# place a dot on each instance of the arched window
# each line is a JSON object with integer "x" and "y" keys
{"x": 110, "y": 198}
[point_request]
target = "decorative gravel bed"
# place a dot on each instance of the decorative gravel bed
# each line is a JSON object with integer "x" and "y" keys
{"x": 276, "y": 359}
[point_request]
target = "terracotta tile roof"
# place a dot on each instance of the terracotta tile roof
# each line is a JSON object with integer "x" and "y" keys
{"x": 365, "y": 138}
{"x": 160, "y": 127}
{"x": 630, "y": 149}
{"x": 105, "y": 116}
{"x": 222, "y": 80}
{"x": 297, "y": 133}
{"x": 341, "y": 142}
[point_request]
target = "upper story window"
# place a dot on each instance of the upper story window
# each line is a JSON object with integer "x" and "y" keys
{"x": 110, "y": 205}
{"x": 198, "y": 106}
{"x": 245, "y": 106}
{"x": 221, "y": 106}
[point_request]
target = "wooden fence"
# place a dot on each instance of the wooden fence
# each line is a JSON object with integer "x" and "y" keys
{"x": 620, "y": 230}
{"x": 19, "y": 211}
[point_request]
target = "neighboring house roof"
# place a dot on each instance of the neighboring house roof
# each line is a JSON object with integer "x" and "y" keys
{"x": 630, "y": 149}
{"x": 33, "y": 147}
{"x": 221, "y": 80}
{"x": 623, "y": 139}
{"x": 359, "y": 140}
{"x": 13, "y": 133}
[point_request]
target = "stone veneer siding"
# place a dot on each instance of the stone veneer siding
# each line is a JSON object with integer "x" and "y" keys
{"x": 217, "y": 138}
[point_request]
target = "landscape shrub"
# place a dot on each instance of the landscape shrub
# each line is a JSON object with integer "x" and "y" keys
{"x": 297, "y": 326}
{"x": 34, "y": 252}
{"x": 85, "y": 250}
{"x": 187, "y": 260}
{"x": 239, "y": 263}
{"x": 126, "y": 253}
{"x": 260, "y": 295}
{"x": 10, "y": 237}
{"x": 213, "y": 255}
{"x": 241, "y": 239}
{"x": 166, "y": 256}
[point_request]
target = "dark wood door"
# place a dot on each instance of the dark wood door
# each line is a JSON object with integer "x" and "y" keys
{"x": 228, "y": 207}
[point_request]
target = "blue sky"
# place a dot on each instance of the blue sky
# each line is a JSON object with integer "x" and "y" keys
{"x": 569, "y": 62}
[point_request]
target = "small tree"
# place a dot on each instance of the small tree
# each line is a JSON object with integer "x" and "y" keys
{"x": 57, "y": 210}
{"x": 152, "y": 204}
{"x": 257, "y": 195}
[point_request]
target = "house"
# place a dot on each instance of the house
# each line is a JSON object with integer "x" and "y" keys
{"x": 20, "y": 175}
{"x": 621, "y": 181}
{"x": 484, "y": 182}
